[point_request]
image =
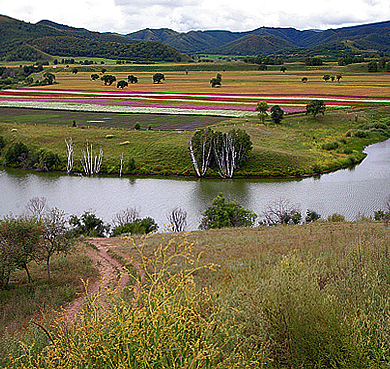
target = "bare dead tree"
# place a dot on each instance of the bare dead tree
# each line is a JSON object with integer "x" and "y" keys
{"x": 91, "y": 164}
{"x": 70, "y": 150}
{"x": 120, "y": 171}
{"x": 129, "y": 215}
{"x": 177, "y": 219}
{"x": 280, "y": 212}
{"x": 36, "y": 207}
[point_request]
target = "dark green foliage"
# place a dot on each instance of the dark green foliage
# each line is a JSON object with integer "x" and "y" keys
{"x": 2, "y": 143}
{"x": 313, "y": 61}
{"x": 311, "y": 216}
{"x": 222, "y": 214}
{"x": 139, "y": 226}
{"x": 137, "y": 126}
{"x": 372, "y": 66}
{"x": 316, "y": 107}
{"x": 262, "y": 107}
{"x": 88, "y": 225}
{"x": 122, "y": 84}
{"x": 158, "y": 77}
{"x": 277, "y": 114}
{"x": 75, "y": 70}
{"x": 326, "y": 77}
{"x": 94, "y": 77}
{"x": 304, "y": 79}
{"x": 132, "y": 79}
{"x": 330, "y": 145}
{"x": 108, "y": 79}
{"x": 216, "y": 81}
{"x": 47, "y": 160}
{"x": 16, "y": 155}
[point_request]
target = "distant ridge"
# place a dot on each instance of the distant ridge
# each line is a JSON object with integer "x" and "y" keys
{"x": 372, "y": 36}
{"x": 43, "y": 40}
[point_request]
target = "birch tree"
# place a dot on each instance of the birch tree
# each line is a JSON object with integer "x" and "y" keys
{"x": 91, "y": 163}
{"x": 201, "y": 148}
{"x": 230, "y": 149}
{"x": 69, "y": 146}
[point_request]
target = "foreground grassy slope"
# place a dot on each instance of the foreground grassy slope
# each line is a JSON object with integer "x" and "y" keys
{"x": 294, "y": 147}
{"x": 314, "y": 296}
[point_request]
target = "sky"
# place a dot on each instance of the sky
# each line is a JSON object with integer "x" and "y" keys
{"x": 126, "y": 16}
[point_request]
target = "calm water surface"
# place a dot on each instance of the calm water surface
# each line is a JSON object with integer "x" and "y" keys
{"x": 362, "y": 189}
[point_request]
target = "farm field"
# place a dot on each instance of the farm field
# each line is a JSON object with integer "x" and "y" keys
{"x": 186, "y": 102}
{"x": 191, "y": 93}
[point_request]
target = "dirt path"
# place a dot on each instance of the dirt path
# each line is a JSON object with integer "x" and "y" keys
{"x": 112, "y": 274}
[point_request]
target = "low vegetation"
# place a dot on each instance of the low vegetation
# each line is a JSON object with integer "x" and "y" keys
{"x": 271, "y": 297}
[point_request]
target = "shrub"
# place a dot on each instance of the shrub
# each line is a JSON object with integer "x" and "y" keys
{"x": 330, "y": 145}
{"x": 47, "y": 160}
{"x": 336, "y": 218}
{"x": 139, "y": 226}
{"x": 281, "y": 212}
{"x": 311, "y": 216}
{"x": 88, "y": 225}
{"x": 223, "y": 214}
{"x": 16, "y": 154}
{"x": 2, "y": 143}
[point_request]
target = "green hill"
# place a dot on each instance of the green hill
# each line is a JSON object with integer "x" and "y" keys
{"x": 41, "y": 41}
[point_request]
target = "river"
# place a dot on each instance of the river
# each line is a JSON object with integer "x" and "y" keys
{"x": 360, "y": 190}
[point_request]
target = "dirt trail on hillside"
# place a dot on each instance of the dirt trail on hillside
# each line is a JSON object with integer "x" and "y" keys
{"x": 112, "y": 274}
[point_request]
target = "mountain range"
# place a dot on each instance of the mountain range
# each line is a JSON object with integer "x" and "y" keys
{"x": 268, "y": 40}
{"x": 46, "y": 40}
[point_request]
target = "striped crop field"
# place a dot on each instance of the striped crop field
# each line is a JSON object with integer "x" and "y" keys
{"x": 192, "y": 95}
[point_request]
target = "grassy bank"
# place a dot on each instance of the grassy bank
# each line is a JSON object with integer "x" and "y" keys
{"x": 299, "y": 145}
{"x": 313, "y": 296}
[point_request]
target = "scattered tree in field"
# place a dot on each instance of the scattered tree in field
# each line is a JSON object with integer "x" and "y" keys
{"x": 49, "y": 78}
{"x": 262, "y": 107}
{"x": 103, "y": 70}
{"x": 326, "y": 77}
{"x": 19, "y": 245}
{"x": 222, "y": 214}
{"x": 230, "y": 149}
{"x": 338, "y": 77}
{"x": 108, "y": 79}
{"x": 201, "y": 150}
{"x": 216, "y": 81}
{"x": 283, "y": 68}
{"x": 122, "y": 84}
{"x": 316, "y": 107}
{"x": 382, "y": 62}
{"x": 88, "y": 225}
{"x": 277, "y": 114}
{"x": 281, "y": 212}
{"x": 262, "y": 67}
{"x": 57, "y": 237}
{"x": 137, "y": 126}
{"x": 177, "y": 219}
{"x": 158, "y": 77}
{"x": 75, "y": 70}
{"x": 332, "y": 78}
{"x": 304, "y": 79}
{"x": 372, "y": 66}
{"x": 132, "y": 79}
{"x": 94, "y": 77}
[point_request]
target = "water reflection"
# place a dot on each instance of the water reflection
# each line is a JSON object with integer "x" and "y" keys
{"x": 361, "y": 189}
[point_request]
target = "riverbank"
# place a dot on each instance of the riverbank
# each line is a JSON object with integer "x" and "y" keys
{"x": 299, "y": 146}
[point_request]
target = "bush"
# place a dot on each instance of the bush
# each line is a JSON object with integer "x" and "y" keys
{"x": 16, "y": 154}
{"x": 330, "y": 145}
{"x": 88, "y": 225}
{"x": 311, "y": 216}
{"x": 2, "y": 143}
{"x": 281, "y": 212}
{"x": 223, "y": 214}
{"x": 139, "y": 226}
{"x": 336, "y": 218}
